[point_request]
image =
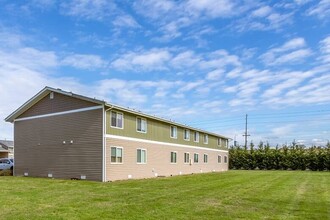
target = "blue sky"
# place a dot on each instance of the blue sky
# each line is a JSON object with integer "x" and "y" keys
{"x": 205, "y": 63}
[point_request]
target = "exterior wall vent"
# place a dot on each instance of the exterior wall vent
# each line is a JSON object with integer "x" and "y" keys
{"x": 26, "y": 174}
{"x": 156, "y": 174}
{"x": 83, "y": 177}
{"x": 50, "y": 175}
{"x": 129, "y": 176}
{"x": 51, "y": 95}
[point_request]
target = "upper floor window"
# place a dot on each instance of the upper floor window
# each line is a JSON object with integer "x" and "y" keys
{"x": 141, "y": 156}
{"x": 141, "y": 125}
{"x": 186, "y": 134}
{"x": 219, "y": 141}
{"x": 206, "y": 139}
{"x": 116, "y": 154}
{"x": 117, "y": 119}
{"x": 196, "y": 136}
{"x": 173, "y": 131}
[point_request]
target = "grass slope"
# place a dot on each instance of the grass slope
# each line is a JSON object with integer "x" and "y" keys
{"x": 230, "y": 195}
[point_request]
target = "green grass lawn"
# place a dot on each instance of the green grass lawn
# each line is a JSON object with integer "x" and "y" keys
{"x": 230, "y": 195}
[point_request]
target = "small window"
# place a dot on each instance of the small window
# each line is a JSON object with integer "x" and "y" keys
{"x": 219, "y": 158}
{"x": 174, "y": 132}
{"x": 186, "y": 157}
{"x": 225, "y": 159}
{"x": 141, "y": 156}
{"x": 206, "y": 158}
{"x": 173, "y": 157}
{"x": 196, "y": 136}
{"x": 195, "y": 158}
{"x": 51, "y": 95}
{"x": 186, "y": 134}
{"x": 226, "y": 143}
{"x": 219, "y": 141}
{"x": 141, "y": 125}
{"x": 206, "y": 139}
{"x": 117, "y": 119}
{"x": 116, "y": 154}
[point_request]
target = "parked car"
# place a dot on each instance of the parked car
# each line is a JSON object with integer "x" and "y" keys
{"x": 6, "y": 163}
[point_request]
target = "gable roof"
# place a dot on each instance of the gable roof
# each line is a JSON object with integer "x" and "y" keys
{"x": 44, "y": 92}
{"x": 40, "y": 95}
{"x": 7, "y": 143}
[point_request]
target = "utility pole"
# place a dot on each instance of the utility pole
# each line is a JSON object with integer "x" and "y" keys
{"x": 246, "y": 134}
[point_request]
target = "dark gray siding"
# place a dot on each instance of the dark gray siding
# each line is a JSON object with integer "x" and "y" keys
{"x": 39, "y": 147}
{"x": 59, "y": 103}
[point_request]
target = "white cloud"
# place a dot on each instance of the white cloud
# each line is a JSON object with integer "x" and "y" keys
{"x": 262, "y": 11}
{"x": 84, "y": 61}
{"x": 292, "y": 52}
{"x": 125, "y": 21}
{"x": 321, "y": 10}
{"x": 88, "y": 9}
{"x": 213, "y": 8}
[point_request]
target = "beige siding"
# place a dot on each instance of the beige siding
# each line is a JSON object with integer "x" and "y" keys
{"x": 59, "y": 103}
{"x": 39, "y": 147}
{"x": 158, "y": 160}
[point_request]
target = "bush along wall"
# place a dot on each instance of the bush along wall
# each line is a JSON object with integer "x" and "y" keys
{"x": 293, "y": 157}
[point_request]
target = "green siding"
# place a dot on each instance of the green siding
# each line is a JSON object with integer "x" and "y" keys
{"x": 158, "y": 131}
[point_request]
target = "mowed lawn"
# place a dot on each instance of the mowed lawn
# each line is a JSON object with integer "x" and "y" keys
{"x": 230, "y": 195}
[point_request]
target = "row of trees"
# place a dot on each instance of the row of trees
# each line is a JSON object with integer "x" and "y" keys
{"x": 293, "y": 157}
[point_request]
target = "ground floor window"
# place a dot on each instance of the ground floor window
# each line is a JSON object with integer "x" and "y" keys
{"x": 225, "y": 159}
{"x": 219, "y": 158}
{"x": 205, "y": 158}
{"x": 173, "y": 157}
{"x": 116, "y": 154}
{"x": 141, "y": 156}
{"x": 195, "y": 158}
{"x": 186, "y": 157}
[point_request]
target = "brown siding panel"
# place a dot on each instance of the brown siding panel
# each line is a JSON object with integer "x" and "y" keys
{"x": 59, "y": 103}
{"x": 158, "y": 160}
{"x": 39, "y": 147}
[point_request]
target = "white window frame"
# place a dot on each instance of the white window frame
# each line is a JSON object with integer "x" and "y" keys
{"x": 197, "y": 157}
{"x": 219, "y": 156}
{"x": 146, "y": 125}
{"x": 184, "y": 158}
{"x": 207, "y": 158}
{"x": 117, "y": 120}
{"x": 176, "y": 132}
{"x": 122, "y": 155}
{"x": 186, "y": 131}
{"x": 225, "y": 159}
{"x": 219, "y": 141}
{"x": 205, "y": 138}
{"x": 142, "y": 149}
{"x": 196, "y": 135}
{"x": 176, "y": 157}
{"x": 226, "y": 143}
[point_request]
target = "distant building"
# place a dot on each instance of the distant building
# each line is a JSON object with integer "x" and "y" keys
{"x": 6, "y": 149}
{"x": 64, "y": 135}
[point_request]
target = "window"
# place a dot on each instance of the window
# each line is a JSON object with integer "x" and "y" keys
{"x": 117, "y": 119}
{"x": 195, "y": 158}
{"x": 141, "y": 156}
{"x": 196, "y": 136}
{"x": 226, "y": 143}
{"x": 206, "y": 158}
{"x": 186, "y": 157}
{"x": 219, "y": 158}
{"x": 173, "y": 157}
{"x": 219, "y": 141}
{"x": 186, "y": 134}
{"x": 206, "y": 139}
{"x": 141, "y": 125}
{"x": 225, "y": 159}
{"x": 174, "y": 133}
{"x": 116, "y": 154}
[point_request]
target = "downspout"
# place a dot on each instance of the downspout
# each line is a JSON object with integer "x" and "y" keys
{"x": 104, "y": 173}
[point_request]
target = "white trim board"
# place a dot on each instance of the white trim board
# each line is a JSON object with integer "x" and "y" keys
{"x": 60, "y": 113}
{"x": 162, "y": 143}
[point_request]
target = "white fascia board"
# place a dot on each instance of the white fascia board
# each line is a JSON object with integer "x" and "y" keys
{"x": 163, "y": 143}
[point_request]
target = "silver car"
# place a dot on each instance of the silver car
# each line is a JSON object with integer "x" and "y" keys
{"x": 6, "y": 163}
